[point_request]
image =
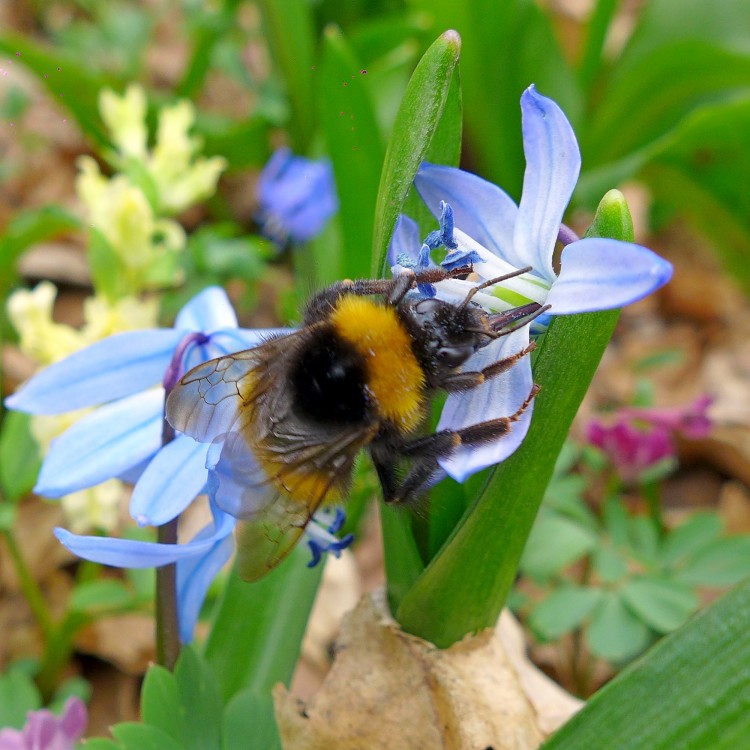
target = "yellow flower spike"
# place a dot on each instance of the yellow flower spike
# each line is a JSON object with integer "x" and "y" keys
{"x": 125, "y": 117}
{"x": 41, "y": 338}
{"x": 181, "y": 179}
{"x": 104, "y": 318}
{"x": 94, "y": 508}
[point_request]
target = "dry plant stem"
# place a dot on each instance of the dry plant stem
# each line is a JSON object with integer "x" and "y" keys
{"x": 167, "y": 625}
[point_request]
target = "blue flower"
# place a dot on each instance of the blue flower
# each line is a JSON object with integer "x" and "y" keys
{"x": 123, "y": 438}
{"x": 482, "y": 226}
{"x": 296, "y": 197}
{"x": 595, "y": 273}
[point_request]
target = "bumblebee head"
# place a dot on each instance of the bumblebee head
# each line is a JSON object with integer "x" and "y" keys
{"x": 445, "y": 335}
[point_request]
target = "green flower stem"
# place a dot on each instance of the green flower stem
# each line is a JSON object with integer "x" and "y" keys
{"x": 30, "y": 588}
{"x": 652, "y": 494}
{"x": 57, "y": 652}
{"x": 465, "y": 586}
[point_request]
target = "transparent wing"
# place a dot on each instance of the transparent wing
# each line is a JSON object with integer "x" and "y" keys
{"x": 207, "y": 401}
{"x": 274, "y": 489}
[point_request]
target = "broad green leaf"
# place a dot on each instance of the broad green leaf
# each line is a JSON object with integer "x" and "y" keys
{"x": 161, "y": 704}
{"x": 610, "y": 566}
{"x": 200, "y": 701}
{"x": 99, "y": 595}
{"x": 133, "y": 736}
{"x": 445, "y": 603}
{"x": 554, "y": 543}
{"x": 662, "y": 604}
{"x": 416, "y": 122}
{"x": 19, "y": 456}
{"x": 614, "y": 632}
{"x": 98, "y": 743}
{"x": 691, "y": 536}
{"x": 257, "y": 631}
{"x": 722, "y": 563}
{"x": 689, "y": 691}
{"x": 18, "y": 695}
{"x": 354, "y": 144}
{"x": 250, "y": 715}
{"x": 243, "y": 144}
{"x": 562, "y": 611}
{"x": 644, "y": 538}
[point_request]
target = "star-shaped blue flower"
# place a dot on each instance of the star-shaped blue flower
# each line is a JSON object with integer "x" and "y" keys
{"x": 296, "y": 197}
{"x": 487, "y": 230}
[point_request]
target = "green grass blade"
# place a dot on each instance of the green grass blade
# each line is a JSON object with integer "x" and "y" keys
{"x": 690, "y": 691}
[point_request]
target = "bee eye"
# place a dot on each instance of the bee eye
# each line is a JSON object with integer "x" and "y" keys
{"x": 453, "y": 356}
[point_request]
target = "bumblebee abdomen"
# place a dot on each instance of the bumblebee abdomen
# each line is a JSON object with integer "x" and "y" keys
{"x": 394, "y": 379}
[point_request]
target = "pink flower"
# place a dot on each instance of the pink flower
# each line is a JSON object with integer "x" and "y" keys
{"x": 45, "y": 731}
{"x": 637, "y": 439}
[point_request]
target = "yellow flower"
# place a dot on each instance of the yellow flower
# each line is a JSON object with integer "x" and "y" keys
{"x": 181, "y": 177}
{"x": 125, "y": 117}
{"x": 94, "y": 508}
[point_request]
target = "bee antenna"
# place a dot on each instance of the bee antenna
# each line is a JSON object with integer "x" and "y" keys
{"x": 502, "y": 324}
{"x": 491, "y": 282}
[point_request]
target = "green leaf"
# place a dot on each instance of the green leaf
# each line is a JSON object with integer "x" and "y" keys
{"x": 722, "y": 563}
{"x": 27, "y": 228}
{"x": 71, "y": 82}
{"x": 106, "y": 269}
{"x": 644, "y": 538}
{"x": 697, "y": 532}
{"x": 243, "y": 144}
{"x": 506, "y": 46}
{"x": 290, "y": 34}
{"x": 610, "y": 566}
{"x": 689, "y": 691}
{"x": 133, "y": 736}
{"x": 445, "y": 603}
{"x": 554, "y": 543}
{"x": 614, "y": 632}
{"x": 18, "y": 694}
{"x": 662, "y": 604}
{"x": 355, "y": 146}
{"x": 19, "y": 456}
{"x": 562, "y": 611}
{"x": 161, "y": 704}
{"x": 250, "y": 715}
{"x": 98, "y": 743}
{"x": 616, "y": 520}
{"x": 101, "y": 594}
{"x": 258, "y": 628}
{"x": 416, "y": 122}
{"x": 200, "y": 700}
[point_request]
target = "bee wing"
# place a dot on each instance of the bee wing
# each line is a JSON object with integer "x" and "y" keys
{"x": 274, "y": 510}
{"x": 206, "y": 402}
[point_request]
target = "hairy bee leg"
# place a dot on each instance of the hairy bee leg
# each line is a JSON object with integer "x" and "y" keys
{"x": 427, "y": 450}
{"x": 464, "y": 381}
{"x": 386, "y": 472}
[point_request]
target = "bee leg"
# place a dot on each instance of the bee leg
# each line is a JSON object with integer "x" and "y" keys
{"x": 464, "y": 381}
{"x": 427, "y": 450}
{"x": 386, "y": 471}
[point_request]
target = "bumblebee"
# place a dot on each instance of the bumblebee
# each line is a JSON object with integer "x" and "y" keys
{"x": 288, "y": 418}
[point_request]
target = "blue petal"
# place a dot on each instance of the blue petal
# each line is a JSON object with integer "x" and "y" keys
{"x": 236, "y": 482}
{"x": 405, "y": 241}
{"x": 553, "y": 162}
{"x": 104, "y": 444}
{"x": 194, "y": 576}
{"x": 126, "y": 553}
{"x": 207, "y": 311}
{"x": 480, "y": 209}
{"x": 599, "y": 274}
{"x": 498, "y": 397}
{"x": 110, "y": 369}
{"x": 176, "y": 474}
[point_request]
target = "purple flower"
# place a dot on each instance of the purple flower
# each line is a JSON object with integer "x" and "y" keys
{"x": 45, "y": 731}
{"x": 639, "y": 438}
{"x": 296, "y": 197}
